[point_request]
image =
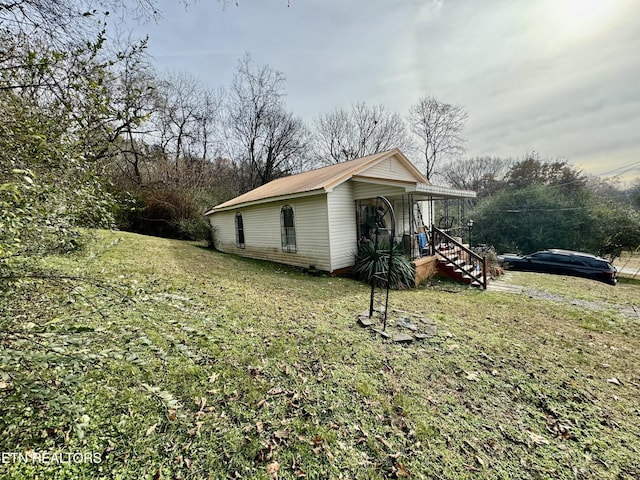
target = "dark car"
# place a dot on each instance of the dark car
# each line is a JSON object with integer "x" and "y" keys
{"x": 563, "y": 262}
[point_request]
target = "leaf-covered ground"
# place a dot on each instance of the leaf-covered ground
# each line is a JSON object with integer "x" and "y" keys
{"x": 162, "y": 359}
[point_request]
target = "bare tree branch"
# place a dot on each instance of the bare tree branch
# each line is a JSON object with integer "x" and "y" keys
{"x": 484, "y": 175}
{"x": 439, "y": 126}
{"x": 266, "y": 141}
{"x": 343, "y": 135}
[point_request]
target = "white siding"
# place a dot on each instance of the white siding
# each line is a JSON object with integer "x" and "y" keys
{"x": 224, "y": 229}
{"x": 389, "y": 169}
{"x": 342, "y": 226}
{"x": 365, "y": 190}
{"x": 427, "y": 213}
{"x": 263, "y": 236}
{"x": 312, "y": 231}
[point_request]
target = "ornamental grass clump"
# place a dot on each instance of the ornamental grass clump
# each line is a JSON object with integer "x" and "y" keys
{"x": 369, "y": 261}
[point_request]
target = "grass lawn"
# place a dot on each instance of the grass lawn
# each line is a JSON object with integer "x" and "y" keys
{"x": 630, "y": 263}
{"x": 160, "y": 359}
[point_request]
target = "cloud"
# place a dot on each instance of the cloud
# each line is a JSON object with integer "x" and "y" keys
{"x": 527, "y": 82}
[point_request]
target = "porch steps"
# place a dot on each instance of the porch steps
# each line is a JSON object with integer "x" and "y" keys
{"x": 456, "y": 261}
{"x": 457, "y": 272}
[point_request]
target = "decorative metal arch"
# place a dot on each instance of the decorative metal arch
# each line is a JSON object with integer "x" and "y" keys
{"x": 383, "y": 260}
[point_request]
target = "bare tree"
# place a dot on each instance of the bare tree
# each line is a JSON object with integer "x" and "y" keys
{"x": 481, "y": 174}
{"x": 439, "y": 126}
{"x": 265, "y": 141}
{"x": 186, "y": 118}
{"x": 342, "y": 135}
{"x": 65, "y": 23}
{"x": 136, "y": 87}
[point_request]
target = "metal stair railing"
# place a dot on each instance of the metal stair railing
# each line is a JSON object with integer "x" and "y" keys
{"x": 475, "y": 266}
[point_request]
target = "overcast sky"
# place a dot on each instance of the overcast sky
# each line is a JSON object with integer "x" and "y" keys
{"x": 558, "y": 77}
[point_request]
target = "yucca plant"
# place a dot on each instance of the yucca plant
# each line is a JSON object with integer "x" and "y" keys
{"x": 369, "y": 261}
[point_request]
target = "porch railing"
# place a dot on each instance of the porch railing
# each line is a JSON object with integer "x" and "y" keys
{"x": 465, "y": 262}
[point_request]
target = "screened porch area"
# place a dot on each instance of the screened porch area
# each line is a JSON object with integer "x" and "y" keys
{"x": 432, "y": 227}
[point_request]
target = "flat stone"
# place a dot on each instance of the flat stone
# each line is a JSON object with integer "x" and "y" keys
{"x": 427, "y": 321}
{"x": 365, "y": 321}
{"x": 403, "y": 338}
{"x": 430, "y": 330}
{"x": 408, "y": 324}
{"x": 382, "y": 333}
{"x": 421, "y": 336}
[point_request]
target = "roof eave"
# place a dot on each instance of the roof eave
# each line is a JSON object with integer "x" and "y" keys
{"x": 444, "y": 192}
{"x": 278, "y": 198}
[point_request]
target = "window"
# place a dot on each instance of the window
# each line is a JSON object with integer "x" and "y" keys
{"x": 288, "y": 229}
{"x": 564, "y": 259}
{"x": 239, "y": 231}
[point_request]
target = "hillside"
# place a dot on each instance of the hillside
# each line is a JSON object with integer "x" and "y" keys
{"x": 162, "y": 359}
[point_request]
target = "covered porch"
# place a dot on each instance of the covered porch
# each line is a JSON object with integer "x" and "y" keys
{"x": 430, "y": 224}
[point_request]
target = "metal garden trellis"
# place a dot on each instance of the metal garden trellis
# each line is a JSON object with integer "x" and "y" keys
{"x": 383, "y": 260}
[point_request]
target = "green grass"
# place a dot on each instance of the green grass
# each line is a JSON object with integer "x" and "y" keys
{"x": 630, "y": 262}
{"x": 169, "y": 359}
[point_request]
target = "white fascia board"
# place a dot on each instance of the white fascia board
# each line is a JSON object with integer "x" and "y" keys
{"x": 445, "y": 192}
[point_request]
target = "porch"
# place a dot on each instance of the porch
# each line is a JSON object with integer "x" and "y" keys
{"x": 435, "y": 247}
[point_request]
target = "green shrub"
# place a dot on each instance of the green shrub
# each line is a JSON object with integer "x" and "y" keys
{"x": 195, "y": 229}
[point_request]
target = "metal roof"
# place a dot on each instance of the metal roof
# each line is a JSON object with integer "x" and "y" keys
{"x": 316, "y": 181}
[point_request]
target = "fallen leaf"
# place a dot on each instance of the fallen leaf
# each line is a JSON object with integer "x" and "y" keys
{"x": 151, "y": 429}
{"x": 201, "y": 403}
{"x": 259, "y": 426}
{"x": 384, "y": 442}
{"x": 402, "y": 470}
{"x": 196, "y": 429}
{"x": 272, "y": 470}
{"x": 486, "y": 357}
{"x": 328, "y": 453}
{"x": 472, "y": 376}
{"x": 281, "y": 434}
{"x": 537, "y": 439}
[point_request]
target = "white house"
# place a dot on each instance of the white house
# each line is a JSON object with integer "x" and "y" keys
{"x": 316, "y": 218}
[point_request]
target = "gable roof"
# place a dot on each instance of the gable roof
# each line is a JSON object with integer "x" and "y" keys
{"x": 319, "y": 180}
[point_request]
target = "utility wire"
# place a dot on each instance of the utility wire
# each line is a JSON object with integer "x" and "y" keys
{"x": 624, "y": 168}
{"x": 526, "y": 210}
